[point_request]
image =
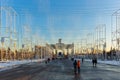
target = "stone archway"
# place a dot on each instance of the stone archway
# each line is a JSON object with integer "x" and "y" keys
{"x": 60, "y": 53}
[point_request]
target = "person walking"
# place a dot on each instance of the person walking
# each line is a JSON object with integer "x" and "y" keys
{"x": 95, "y": 61}
{"x": 75, "y": 66}
{"x": 78, "y": 66}
{"x": 82, "y": 60}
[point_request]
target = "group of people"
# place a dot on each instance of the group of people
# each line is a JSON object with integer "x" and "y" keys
{"x": 47, "y": 61}
{"x": 76, "y": 66}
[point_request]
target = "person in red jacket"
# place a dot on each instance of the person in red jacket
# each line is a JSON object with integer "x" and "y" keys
{"x": 78, "y": 66}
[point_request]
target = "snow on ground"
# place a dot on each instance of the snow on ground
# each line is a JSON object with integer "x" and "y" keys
{"x": 110, "y": 62}
{"x": 4, "y": 65}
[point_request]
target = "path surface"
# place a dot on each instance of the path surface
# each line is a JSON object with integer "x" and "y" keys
{"x": 101, "y": 72}
{"x": 61, "y": 70}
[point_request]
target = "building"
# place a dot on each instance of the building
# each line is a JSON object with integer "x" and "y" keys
{"x": 62, "y": 49}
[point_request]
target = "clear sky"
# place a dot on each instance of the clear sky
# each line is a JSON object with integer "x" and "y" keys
{"x": 70, "y": 20}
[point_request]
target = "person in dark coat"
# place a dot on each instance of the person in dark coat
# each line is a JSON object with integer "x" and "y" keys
{"x": 82, "y": 60}
{"x": 95, "y": 61}
{"x": 75, "y": 66}
{"x": 48, "y": 60}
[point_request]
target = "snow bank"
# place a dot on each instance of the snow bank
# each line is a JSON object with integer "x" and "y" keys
{"x": 112, "y": 62}
{"x": 4, "y": 65}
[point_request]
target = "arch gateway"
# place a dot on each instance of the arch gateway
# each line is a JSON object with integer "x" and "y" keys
{"x": 61, "y": 49}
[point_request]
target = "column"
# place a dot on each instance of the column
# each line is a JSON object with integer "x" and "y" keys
{"x": 41, "y": 52}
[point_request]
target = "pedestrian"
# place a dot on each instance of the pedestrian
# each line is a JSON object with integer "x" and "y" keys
{"x": 75, "y": 66}
{"x": 48, "y": 60}
{"x": 95, "y": 61}
{"x": 72, "y": 59}
{"x": 78, "y": 66}
{"x": 82, "y": 60}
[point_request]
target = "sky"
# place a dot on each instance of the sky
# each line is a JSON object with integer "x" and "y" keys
{"x": 70, "y": 20}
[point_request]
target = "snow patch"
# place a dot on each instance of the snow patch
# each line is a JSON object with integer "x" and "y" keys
{"x": 5, "y": 65}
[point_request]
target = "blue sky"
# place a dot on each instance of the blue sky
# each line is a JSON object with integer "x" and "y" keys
{"x": 67, "y": 19}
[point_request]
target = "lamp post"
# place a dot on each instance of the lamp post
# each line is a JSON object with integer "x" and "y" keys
{"x": 104, "y": 51}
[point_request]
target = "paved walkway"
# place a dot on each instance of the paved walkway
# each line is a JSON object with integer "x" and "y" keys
{"x": 57, "y": 70}
{"x": 101, "y": 72}
{"x": 61, "y": 70}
